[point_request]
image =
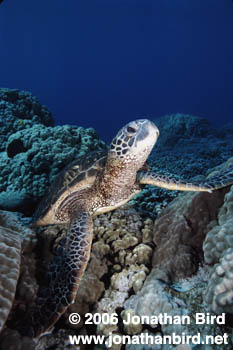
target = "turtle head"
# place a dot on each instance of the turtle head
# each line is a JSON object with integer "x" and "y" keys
{"x": 134, "y": 142}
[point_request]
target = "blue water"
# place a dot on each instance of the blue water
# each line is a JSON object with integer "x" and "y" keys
{"x": 102, "y": 63}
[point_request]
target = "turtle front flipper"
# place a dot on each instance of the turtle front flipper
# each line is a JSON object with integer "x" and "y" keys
{"x": 220, "y": 180}
{"x": 64, "y": 275}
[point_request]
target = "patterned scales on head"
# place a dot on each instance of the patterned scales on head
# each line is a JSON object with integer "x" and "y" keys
{"x": 89, "y": 186}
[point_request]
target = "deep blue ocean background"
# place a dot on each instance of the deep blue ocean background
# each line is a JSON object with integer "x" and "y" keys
{"x": 102, "y": 63}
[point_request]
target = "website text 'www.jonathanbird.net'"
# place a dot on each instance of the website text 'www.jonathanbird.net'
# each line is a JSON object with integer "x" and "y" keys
{"x": 149, "y": 339}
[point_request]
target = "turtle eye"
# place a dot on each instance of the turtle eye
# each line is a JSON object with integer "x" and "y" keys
{"x": 130, "y": 130}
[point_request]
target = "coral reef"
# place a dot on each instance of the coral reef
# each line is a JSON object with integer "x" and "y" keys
{"x": 136, "y": 267}
{"x": 153, "y": 300}
{"x": 12, "y": 340}
{"x": 15, "y": 240}
{"x": 218, "y": 251}
{"x": 195, "y": 135}
{"x": 119, "y": 263}
{"x": 183, "y": 299}
{"x": 177, "y": 128}
{"x": 20, "y": 110}
{"x": 118, "y": 277}
{"x": 32, "y": 151}
{"x": 112, "y": 276}
{"x": 219, "y": 237}
{"x": 10, "y": 250}
{"x": 188, "y": 146}
{"x": 219, "y": 293}
{"x": 175, "y": 285}
{"x": 181, "y": 228}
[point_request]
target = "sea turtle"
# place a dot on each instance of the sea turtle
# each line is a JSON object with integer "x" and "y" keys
{"x": 96, "y": 184}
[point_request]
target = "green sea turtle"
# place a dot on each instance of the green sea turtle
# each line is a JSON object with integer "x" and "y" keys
{"x": 98, "y": 183}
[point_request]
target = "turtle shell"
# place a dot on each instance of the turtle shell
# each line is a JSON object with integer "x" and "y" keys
{"x": 78, "y": 175}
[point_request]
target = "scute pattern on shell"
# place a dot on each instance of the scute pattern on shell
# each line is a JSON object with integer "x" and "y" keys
{"x": 81, "y": 171}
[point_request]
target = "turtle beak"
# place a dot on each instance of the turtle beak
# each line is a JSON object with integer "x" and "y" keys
{"x": 149, "y": 132}
{"x": 154, "y": 129}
